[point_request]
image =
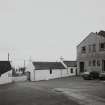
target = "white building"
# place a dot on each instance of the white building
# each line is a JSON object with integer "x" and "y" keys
{"x": 48, "y": 70}
{"x": 5, "y": 72}
{"x": 71, "y": 67}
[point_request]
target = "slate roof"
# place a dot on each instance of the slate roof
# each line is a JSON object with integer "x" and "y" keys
{"x": 5, "y": 66}
{"x": 71, "y": 63}
{"x": 47, "y": 65}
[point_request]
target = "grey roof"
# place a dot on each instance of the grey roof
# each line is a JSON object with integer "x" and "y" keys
{"x": 100, "y": 33}
{"x": 71, "y": 63}
{"x": 5, "y": 66}
{"x": 48, "y": 65}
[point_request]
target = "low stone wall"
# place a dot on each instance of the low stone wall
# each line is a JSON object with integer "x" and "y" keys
{"x": 19, "y": 78}
{"x": 6, "y": 78}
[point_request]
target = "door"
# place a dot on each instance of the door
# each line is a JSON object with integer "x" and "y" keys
{"x": 81, "y": 67}
{"x": 28, "y": 75}
{"x": 103, "y": 65}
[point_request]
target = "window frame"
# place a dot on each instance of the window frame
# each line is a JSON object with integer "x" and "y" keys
{"x": 83, "y": 49}
{"x": 100, "y": 46}
{"x": 94, "y": 63}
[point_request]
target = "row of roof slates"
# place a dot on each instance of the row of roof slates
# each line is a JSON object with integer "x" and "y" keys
{"x": 53, "y": 65}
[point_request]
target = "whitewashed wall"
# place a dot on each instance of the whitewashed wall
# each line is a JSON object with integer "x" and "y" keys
{"x": 37, "y": 75}
{"x": 19, "y": 78}
{"x": 30, "y": 68}
{"x": 6, "y": 77}
{"x": 41, "y": 75}
{"x": 57, "y": 73}
{"x": 74, "y": 71}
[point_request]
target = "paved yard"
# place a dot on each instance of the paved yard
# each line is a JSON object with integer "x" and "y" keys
{"x": 65, "y": 91}
{"x": 87, "y": 92}
{"x": 28, "y": 93}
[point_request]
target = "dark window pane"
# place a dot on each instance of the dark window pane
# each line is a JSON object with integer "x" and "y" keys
{"x": 71, "y": 70}
{"x": 94, "y": 62}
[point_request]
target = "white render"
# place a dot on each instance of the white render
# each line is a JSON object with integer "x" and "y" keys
{"x": 37, "y": 75}
{"x": 19, "y": 78}
{"x": 6, "y": 77}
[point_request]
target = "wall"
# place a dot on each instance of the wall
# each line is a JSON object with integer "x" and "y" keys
{"x": 6, "y": 77}
{"x": 56, "y": 73}
{"x": 74, "y": 71}
{"x": 19, "y": 78}
{"x": 30, "y": 68}
{"x": 41, "y": 75}
{"x": 36, "y": 75}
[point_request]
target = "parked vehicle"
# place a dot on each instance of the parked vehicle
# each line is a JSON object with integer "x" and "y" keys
{"x": 85, "y": 75}
{"x": 90, "y": 75}
{"x": 102, "y": 76}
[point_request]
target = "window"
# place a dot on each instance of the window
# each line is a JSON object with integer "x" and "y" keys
{"x": 94, "y": 62}
{"x": 94, "y": 48}
{"x": 98, "y": 63}
{"x": 102, "y": 46}
{"x": 50, "y": 71}
{"x": 89, "y": 63}
{"x": 83, "y": 50}
{"x": 71, "y": 70}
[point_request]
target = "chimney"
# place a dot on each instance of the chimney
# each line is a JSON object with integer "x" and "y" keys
{"x": 61, "y": 60}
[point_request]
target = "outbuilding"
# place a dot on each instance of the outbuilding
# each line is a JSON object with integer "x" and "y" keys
{"x": 48, "y": 70}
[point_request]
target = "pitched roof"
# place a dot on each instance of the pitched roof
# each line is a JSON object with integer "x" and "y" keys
{"x": 86, "y": 38}
{"x": 48, "y": 65}
{"x": 100, "y": 33}
{"x": 71, "y": 63}
{"x": 5, "y": 66}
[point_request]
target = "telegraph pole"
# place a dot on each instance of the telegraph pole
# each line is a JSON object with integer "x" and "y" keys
{"x": 8, "y": 56}
{"x": 24, "y": 63}
{"x": 24, "y": 67}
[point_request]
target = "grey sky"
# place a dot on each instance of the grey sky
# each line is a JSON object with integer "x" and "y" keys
{"x": 47, "y": 29}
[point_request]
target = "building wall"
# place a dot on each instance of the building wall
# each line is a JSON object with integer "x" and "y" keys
{"x": 6, "y": 77}
{"x": 41, "y": 75}
{"x": 57, "y": 73}
{"x": 36, "y": 75}
{"x": 87, "y": 57}
{"x": 74, "y": 71}
{"x": 30, "y": 68}
{"x": 19, "y": 78}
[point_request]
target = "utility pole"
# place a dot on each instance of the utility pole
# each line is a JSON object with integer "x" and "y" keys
{"x": 8, "y": 56}
{"x": 24, "y": 67}
{"x": 24, "y": 63}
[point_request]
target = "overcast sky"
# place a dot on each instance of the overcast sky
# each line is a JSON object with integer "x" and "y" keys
{"x": 47, "y": 29}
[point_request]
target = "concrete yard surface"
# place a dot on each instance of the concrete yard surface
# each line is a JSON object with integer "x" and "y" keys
{"x": 64, "y": 91}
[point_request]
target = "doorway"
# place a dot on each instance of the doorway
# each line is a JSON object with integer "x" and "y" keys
{"x": 28, "y": 76}
{"x": 103, "y": 65}
{"x": 81, "y": 67}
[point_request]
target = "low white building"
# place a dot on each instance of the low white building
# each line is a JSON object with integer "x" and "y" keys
{"x": 37, "y": 71}
{"x": 71, "y": 67}
{"x": 5, "y": 72}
